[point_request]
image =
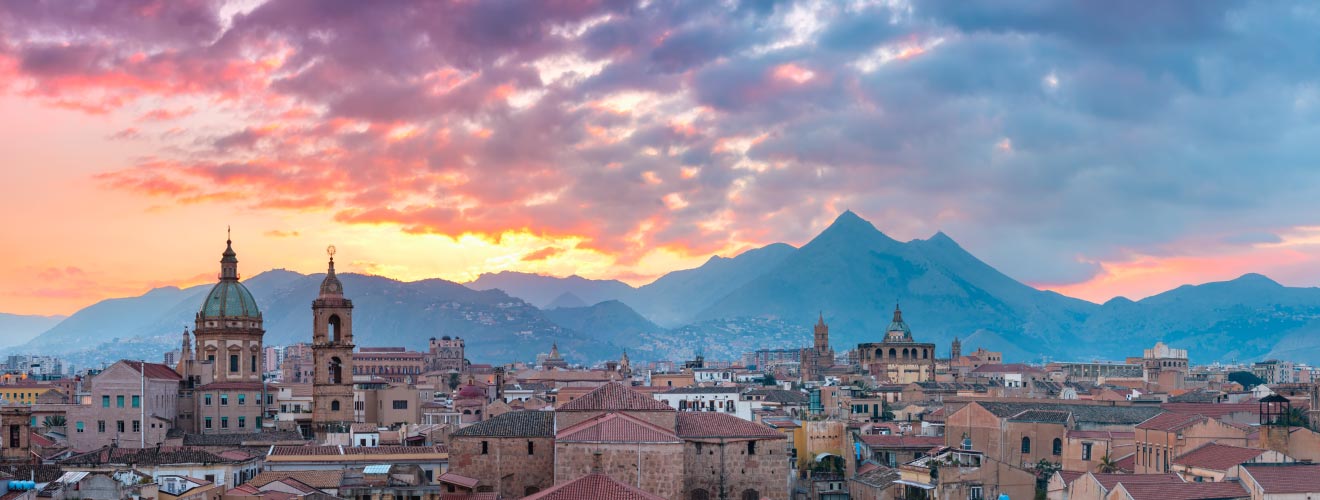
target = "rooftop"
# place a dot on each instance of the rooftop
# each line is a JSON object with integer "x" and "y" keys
{"x": 696, "y": 424}
{"x": 1184, "y": 491}
{"x": 1285, "y": 478}
{"x": 595, "y": 486}
{"x": 1082, "y": 413}
{"x": 1215, "y": 456}
{"x": 614, "y": 396}
{"x": 513, "y": 424}
{"x": 616, "y": 428}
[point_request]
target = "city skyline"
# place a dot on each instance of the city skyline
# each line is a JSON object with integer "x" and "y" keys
{"x": 1085, "y": 150}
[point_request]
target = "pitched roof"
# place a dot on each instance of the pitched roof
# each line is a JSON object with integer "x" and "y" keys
{"x": 525, "y": 423}
{"x": 455, "y": 479}
{"x": 247, "y": 439}
{"x": 1185, "y": 491}
{"x": 1111, "y": 435}
{"x": 1042, "y": 416}
{"x": 320, "y": 479}
{"x": 1082, "y": 413}
{"x": 700, "y": 424}
{"x": 893, "y": 441}
{"x": 614, "y": 396}
{"x": 1285, "y": 478}
{"x": 151, "y": 456}
{"x": 596, "y": 486}
{"x": 616, "y": 428}
{"x": 1068, "y": 476}
{"x": 1172, "y": 421}
{"x": 154, "y": 370}
{"x": 1108, "y": 481}
{"x": 1215, "y": 456}
{"x": 780, "y": 396}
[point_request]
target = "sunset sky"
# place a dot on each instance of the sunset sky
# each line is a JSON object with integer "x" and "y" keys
{"x": 1094, "y": 148}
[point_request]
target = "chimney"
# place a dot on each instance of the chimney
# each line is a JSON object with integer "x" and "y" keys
{"x": 595, "y": 463}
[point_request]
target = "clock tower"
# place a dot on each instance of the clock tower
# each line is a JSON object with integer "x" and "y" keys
{"x": 332, "y": 353}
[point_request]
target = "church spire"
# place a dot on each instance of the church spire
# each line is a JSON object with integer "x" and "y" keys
{"x": 330, "y": 286}
{"x": 229, "y": 259}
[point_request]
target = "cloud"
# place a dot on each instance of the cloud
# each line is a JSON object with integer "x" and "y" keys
{"x": 1132, "y": 128}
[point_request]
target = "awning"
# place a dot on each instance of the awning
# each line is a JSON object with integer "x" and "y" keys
{"x": 923, "y": 486}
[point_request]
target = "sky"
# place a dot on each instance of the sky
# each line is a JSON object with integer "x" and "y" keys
{"x": 1093, "y": 148}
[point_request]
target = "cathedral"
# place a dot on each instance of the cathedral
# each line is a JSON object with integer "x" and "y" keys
{"x": 819, "y": 357}
{"x": 899, "y": 359}
{"x": 221, "y": 366}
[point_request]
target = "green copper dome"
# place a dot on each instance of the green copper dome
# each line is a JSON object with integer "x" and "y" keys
{"x": 229, "y": 299}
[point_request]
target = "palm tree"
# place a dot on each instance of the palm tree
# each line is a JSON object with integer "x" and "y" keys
{"x": 54, "y": 421}
{"x": 1107, "y": 465}
{"x": 1294, "y": 417}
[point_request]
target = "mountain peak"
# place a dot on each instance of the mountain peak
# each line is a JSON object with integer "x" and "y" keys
{"x": 849, "y": 225}
{"x": 1255, "y": 279}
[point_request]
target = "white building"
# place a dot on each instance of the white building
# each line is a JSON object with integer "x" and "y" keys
{"x": 718, "y": 399}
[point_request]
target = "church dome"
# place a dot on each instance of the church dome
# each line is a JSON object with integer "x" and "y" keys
{"x": 229, "y": 299}
{"x": 471, "y": 392}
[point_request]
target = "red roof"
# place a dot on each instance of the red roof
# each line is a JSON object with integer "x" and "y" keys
{"x": 893, "y": 441}
{"x": 455, "y": 479}
{"x": 1185, "y": 491}
{"x": 1108, "y": 481}
{"x": 1172, "y": 421}
{"x": 616, "y": 428}
{"x": 614, "y": 396}
{"x": 1215, "y": 456}
{"x": 596, "y": 486}
{"x": 40, "y": 440}
{"x": 1101, "y": 435}
{"x": 700, "y": 424}
{"x": 1285, "y": 478}
{"x": 1069, "y": 476}
{"x": 1128, "y": 463}
{"x": 154, "y": 370}
{"x": 1213, "y": 410}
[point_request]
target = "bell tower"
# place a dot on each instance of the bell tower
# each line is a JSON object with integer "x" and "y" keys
{"x": 332, "y": 354}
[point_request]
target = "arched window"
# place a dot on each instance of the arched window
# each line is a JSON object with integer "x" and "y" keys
{"x": 1058, "y": 446}
{"x": 1026, "y": 444}
{"x": 751, "y": 495}
{"x": 334, "y": 405}
{"x": 925, "y": 354}
{"x": 336, "y": 370}
{"x": 893, "y": 353}
{"x": 699, "y": 494}
{"x": 905, "y": 353}
{"x": 880, "y": 353}
{"x": 334, "y": 328}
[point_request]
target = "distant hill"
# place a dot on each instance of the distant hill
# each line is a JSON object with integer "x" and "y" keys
{"x": 763, "y": 298}
{"x": 541, "y": 291}
{"x": 17, "y": 328}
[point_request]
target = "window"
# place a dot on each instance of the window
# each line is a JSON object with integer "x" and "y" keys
{"x": 242, "y": 399}
{"x": 78, "y": 426}
{"x": 485, "y": 447}
{"x": 119, "y": 425}
{"x": 242, "y": 422}
{"x": 1026, "y": 445}
{"x": 751, "y": 447}
{"x": 105, "y": 401}
{"x": 531, "y": 447}
{"x": 224, "y": 422}
{"x": 975, "y": 493}
{"x": 137, "y": 401}
{"x": 334, "y": 405}
{"x": 137, "y": 426}
{"x": 1086, "y": 451}
{"x": 207, "y": 399}
{"x": 208, "y": 423}
{"x": 258, "y": 424}
{"x": 100, "y": 426}
{"x": 1058, "y": 447}
{"x": 233, "y": 363}
{"x": 254, "y": 363}
{"x": 400, "y": 404}
{"x": 224, "y": 400}
{"x": 119, "y": 401}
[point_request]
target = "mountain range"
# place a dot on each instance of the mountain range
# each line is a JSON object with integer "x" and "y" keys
{"x": 852, "y": 273}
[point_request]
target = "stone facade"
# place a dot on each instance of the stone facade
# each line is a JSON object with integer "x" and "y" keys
{"x": 820, "y": 357}
{"x": 446, "y": 354}
{"x": 15, "y": 424}
{"x": 512, "y": 467}
{"x": 122, "y": 396}
{"x": 650, "y": 466}
{"x": 332, "y": 354}
{"x": 735, "y": 468}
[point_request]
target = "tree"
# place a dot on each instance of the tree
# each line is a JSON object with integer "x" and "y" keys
{"x": 1246, "y": 379}
{"x": 54, "y": 421}
{"x": 769, "y": 380}
{"x": 886, "y": 412}
{"x": 454, "y": 381}
{"x": 1107, "y": 465}
{"x": 1296, "y": 417}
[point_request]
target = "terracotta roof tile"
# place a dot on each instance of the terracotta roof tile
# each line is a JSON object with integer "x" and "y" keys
{"x": 879, "y": 476}
{"x": 1185, "y": 491}
{"x": 1172, "y": 421}
{"x": 395, "y": 450}
{"x": 513, "y": 424}
{"x": 1214, "y": 410}
{"x": 154, "y": 370}
{"x": 1285, "y": 478}
{"x": 595, "y": 486}
{"x": 1215, "y": 456}
{"x": 616, "y": 428}
{"x": 322, "y": 479}
{"x": 1101, "y": 435}
{"x": 455, "y": 479}
{"x": 614, "y": 396}
{"x": 700, "y": 424}
{"x": 1109, "y": 481}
